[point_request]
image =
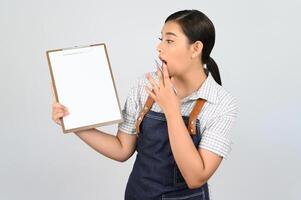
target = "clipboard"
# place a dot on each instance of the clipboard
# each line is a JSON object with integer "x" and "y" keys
{"x": 83, "y": 81}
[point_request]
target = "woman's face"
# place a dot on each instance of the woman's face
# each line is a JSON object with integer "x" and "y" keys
{"x": 174, "y": 49}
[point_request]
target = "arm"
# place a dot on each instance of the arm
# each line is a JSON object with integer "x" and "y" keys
{"x": 196, "y": 166}
{"x": 120, "y": 147}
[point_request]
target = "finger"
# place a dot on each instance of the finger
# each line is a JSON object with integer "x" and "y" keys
{"x": 62, "y": 113}
{"x": 153, "y": 83}
{"x": 160, "y": 76}
{"x": 172, "y": 81}
{"x": 59, "y": 110}
{"x": 59, "y": 115}
{"x": 57, "y": 120}
{"x": 57, "y": 105}
{"x": 165, "y": 72}
{"x": 148, "y": 90}
{"x": 167, "y": 82}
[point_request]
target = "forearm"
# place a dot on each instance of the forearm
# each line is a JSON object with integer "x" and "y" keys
{"x": 186, "y": 155}
{"x": 104, "y": 143}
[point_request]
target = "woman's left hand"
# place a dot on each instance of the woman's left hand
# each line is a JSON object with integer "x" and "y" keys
{"x": 164, "y": 93}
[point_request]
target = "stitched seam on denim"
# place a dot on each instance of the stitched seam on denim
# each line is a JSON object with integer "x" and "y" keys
{"x": 204, "y": 196}
{"x": 155, "y": 117}
{"x": 163, "y": 119}
{"x": 184, "y": 197}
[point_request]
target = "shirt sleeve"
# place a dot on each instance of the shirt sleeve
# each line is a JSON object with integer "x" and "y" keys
{"x": 216, "y": 136}
{"x": 130, "y": 110}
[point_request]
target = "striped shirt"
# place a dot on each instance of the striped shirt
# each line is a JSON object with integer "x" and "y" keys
{"x": 216, "y": 117}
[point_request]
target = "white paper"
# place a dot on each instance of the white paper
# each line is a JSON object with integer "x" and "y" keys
{"x": 85, "y": 86}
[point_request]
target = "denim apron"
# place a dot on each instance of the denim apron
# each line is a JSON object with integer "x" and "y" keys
{"x": 155, "y": 174}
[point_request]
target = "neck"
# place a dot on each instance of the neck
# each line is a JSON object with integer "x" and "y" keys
{"x": 190, "y": 81}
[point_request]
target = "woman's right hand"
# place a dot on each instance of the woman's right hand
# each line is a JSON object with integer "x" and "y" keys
{"x": 58, "y": 111}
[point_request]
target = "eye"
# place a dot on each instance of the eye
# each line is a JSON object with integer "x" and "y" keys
{"x": 167, "y": 40}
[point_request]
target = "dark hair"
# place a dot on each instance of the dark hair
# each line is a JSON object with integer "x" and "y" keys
{"x": 198, "y": 27}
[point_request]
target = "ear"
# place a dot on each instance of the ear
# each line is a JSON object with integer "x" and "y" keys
{"x": 197, "y": 49}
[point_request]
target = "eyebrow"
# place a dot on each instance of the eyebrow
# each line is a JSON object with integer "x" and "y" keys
{"x": 170, "y": 33}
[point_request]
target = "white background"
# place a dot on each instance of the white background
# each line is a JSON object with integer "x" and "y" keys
{"x": 257, "y": 49}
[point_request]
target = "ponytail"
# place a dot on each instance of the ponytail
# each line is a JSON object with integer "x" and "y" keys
{"x": 213, "y": 69}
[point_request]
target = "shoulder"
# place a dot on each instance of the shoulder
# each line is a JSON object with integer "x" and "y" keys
{"x": 220, "y": 102}
{"x": 225, "y": 100}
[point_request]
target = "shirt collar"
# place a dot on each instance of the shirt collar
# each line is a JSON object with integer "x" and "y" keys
{"x": 207, "y": 91}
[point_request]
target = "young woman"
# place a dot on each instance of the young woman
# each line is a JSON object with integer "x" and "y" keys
{"x": 180, "y": 137}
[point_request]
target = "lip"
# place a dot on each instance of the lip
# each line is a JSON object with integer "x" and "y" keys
{"x": 162, "y": 59}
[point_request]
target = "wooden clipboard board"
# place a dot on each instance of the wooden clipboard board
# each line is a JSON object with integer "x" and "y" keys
{"x": 82, "y": 80}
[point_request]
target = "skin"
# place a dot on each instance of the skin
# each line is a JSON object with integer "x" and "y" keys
{"x": 184, "y": 71}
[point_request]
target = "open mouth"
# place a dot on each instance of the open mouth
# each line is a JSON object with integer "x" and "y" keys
{"x": 163, "y": 61}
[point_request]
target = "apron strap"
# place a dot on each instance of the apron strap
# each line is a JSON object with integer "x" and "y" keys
{"x": 148, "y": 104}
{"x": 192, "y": 117}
